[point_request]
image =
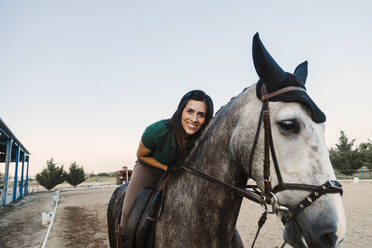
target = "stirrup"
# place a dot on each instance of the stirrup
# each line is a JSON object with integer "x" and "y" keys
{"x": 119, "y": 231}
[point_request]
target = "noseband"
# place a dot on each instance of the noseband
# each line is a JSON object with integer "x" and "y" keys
{"x": 268, "y": 197}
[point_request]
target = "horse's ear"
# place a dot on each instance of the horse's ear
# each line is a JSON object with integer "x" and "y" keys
{"x": 301, "y": 72}
{"x": 266, "y": 67}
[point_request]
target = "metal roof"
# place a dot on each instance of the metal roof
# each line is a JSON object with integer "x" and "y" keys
{"x": 5, "y": 135}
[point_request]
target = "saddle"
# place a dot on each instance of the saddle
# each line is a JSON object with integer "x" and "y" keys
{"x": 146, "y": 210}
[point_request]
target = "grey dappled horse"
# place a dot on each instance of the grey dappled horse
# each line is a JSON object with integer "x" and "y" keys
{"x": 198, "y": 213}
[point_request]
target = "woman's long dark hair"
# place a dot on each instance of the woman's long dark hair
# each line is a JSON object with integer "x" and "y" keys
{"x": 175, "y": 121}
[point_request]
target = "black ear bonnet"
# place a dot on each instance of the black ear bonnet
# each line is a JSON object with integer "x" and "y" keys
{"x": 275, "y": 78}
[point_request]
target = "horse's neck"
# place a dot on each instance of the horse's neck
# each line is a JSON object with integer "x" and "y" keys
{"x": 212, "y": 152}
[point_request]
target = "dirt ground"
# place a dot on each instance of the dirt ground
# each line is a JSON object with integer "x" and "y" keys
{"x": 20, "y": 223}
{"x": 357, "y": 201}
{"x": 81, "y": 220}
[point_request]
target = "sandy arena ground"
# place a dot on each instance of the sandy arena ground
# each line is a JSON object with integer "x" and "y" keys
{"x": 20, "y": 223}
{"x": 357, "y": 200}
{"x": 81, "y": 220}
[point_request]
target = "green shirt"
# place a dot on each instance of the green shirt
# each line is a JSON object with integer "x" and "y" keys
{"x": 161, "y": 140}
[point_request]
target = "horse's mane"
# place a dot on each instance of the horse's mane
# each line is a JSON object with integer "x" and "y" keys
{"x": 213, "y": 125}
{"x": 231, "y": 100}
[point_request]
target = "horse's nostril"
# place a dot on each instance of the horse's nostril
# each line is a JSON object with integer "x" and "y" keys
{"x": 329, "y": 239}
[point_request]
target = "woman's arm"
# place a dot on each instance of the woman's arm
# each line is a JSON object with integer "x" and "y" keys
{"x": 143, "y": 154}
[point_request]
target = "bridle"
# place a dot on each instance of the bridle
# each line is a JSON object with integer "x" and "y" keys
{"x": 331, "y": 186}
{"x": 268, "y": 197}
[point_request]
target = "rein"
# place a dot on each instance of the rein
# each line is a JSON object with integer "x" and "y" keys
{"x": 269, "y": 194}
{"x": 253, "y": 196}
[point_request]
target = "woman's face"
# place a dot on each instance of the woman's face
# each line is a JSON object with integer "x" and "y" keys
{"x": 193, "y": 116}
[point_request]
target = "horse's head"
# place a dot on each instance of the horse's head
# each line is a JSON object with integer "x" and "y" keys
{"x": 303, "y": 159}
{"x": 301, "y": 152}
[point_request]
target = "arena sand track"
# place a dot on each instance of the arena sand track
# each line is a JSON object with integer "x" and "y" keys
{"x": 357, "y": 199}
{"x": 81, "y": 220}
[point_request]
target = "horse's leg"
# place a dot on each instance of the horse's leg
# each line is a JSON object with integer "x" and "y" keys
{"x": 236, "y": 241}
{"x": 114, "y": 211}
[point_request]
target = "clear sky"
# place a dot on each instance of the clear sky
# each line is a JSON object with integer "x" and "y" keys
{"x": 81, "y": 80}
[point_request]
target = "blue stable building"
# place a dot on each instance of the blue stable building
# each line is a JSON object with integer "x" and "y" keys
{"x": 12, "y": 152}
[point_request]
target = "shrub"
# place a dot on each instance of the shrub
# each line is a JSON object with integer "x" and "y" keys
{"x": 103, "y": 174}
{"x": 76, "y": 175}
{"x": 344, "y": 157}
{"x": 50, "y": 176}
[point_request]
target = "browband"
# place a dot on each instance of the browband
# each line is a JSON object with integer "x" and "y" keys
{"x": 281, "y": 91}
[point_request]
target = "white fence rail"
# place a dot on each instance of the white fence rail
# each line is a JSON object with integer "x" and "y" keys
{"x": 56, "y": 198}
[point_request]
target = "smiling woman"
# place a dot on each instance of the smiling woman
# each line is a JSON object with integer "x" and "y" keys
{"x": 193, "y": 116}
{"x": 165, "y": 143}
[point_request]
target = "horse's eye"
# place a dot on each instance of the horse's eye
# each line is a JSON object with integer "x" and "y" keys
{"x": 290, "y": 126}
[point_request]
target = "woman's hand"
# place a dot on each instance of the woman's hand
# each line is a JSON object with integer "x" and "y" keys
{"x": 175, "y": 166}
{"x": 172, "y": 169}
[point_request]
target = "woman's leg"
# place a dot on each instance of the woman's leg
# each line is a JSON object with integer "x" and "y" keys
{"x": 143, "y": 176}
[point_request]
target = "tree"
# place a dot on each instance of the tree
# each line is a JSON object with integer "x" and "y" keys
{"x": 50, "y": 176}
{"x": 113, "y": 174}
{"x": 366, "y": 153}
{"x": 103, "y": 174}
{"x": 76, "y": 174}
{"x": 344, "y": 158}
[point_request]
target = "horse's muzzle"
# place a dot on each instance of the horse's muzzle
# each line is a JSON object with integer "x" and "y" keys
{"x": 314, "y": 230}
